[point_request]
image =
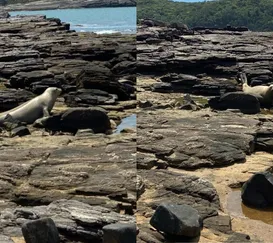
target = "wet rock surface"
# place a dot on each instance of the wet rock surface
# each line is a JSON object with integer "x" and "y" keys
{"x": 195, "y": 120}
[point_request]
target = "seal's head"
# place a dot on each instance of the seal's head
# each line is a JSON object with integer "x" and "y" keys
{"x": 50, "y": 96}
{"x": 53, "y": 91}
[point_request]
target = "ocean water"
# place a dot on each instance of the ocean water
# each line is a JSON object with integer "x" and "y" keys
{"x": 127, "y": 122}
{"x": 98, "y": 20}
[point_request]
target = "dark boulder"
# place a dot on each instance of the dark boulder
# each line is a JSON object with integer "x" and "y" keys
{"x": 40, "y": 231}
{"x": 19, "y": 131}
{"x": 77, "y": 118}
{"x": 82, "y": 118}
{"x": 12, "y": 98}
{"x": 119, "y": 233}
{"x": 258, "y": 190}
{"x": 40, "y": 86}
{"x": 177, "y": 220}
{"x": 24, "y": 79}
{"x": 123, "y": 67}
{"x": 246, "y": 103}
{"x": 98, "y": 76}
{"x": 263, "y": 139}
{"x": 87, "y": 97}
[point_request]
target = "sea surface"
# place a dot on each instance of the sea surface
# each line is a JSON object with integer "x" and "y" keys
{"x": 127, "y": 122}
{"x": 98, "y": 20}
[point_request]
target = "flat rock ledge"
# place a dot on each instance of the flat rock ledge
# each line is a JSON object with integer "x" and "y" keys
{"x": 73, "y": 219}
{"x": 193, "y": 153}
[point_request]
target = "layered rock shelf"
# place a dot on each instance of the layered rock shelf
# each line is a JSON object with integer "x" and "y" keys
{"x": 38, "y": 53}
{"x": 188, "y": 152}
{"x": 70, "y": 164}
{"x": 186, "y": 158}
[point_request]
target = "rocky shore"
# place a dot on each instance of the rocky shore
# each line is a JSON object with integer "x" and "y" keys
{"x": 188, "y": 152}
{"x": 67, "y": 4}
{"x": 73, "y": 168}
{"x": 76, "y": 180}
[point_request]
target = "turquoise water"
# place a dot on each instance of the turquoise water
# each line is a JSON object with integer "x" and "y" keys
{"x": 127, "y": 122}
{"x": 98, "y": 20}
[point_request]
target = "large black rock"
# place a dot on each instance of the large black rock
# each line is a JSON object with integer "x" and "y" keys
{"x": 177, "y": 220}
{"x": 119, "y": 233}
{"x": 41, "y": 231}
{"x": 246, "y": 103}
{"x": 98, "y": 76}
{"x": 89, "y": 97}
{"x": 258, "y": 190}
{"x": 77, "y": 118}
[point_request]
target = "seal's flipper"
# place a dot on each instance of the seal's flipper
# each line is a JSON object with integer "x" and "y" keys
{"x": 45, "y": 112}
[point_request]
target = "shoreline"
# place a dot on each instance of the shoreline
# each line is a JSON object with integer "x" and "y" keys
{"x": 80, "y": 26}
{"x": 37, "y": 6}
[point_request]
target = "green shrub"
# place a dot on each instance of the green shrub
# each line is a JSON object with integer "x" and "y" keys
{"x": 254, "y": 14}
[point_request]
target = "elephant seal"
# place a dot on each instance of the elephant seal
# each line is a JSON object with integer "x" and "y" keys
{"x": 38, "y": 107}
{"x": 263, "y": 93}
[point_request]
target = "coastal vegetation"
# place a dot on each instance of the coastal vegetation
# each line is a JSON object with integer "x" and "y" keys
{"x": 254, "y": 14}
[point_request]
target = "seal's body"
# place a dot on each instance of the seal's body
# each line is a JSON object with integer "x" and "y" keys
{"x": 262, "y": 92}
{"x": 36, "y": 108}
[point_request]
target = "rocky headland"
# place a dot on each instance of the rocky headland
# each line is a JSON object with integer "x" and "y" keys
{"x": 199, "y": 137}
{"x": 67, "y": 4}
{"x": 71, "y": 167}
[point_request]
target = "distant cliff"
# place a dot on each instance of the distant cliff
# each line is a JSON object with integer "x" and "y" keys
{"x": 16, "y": 5}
